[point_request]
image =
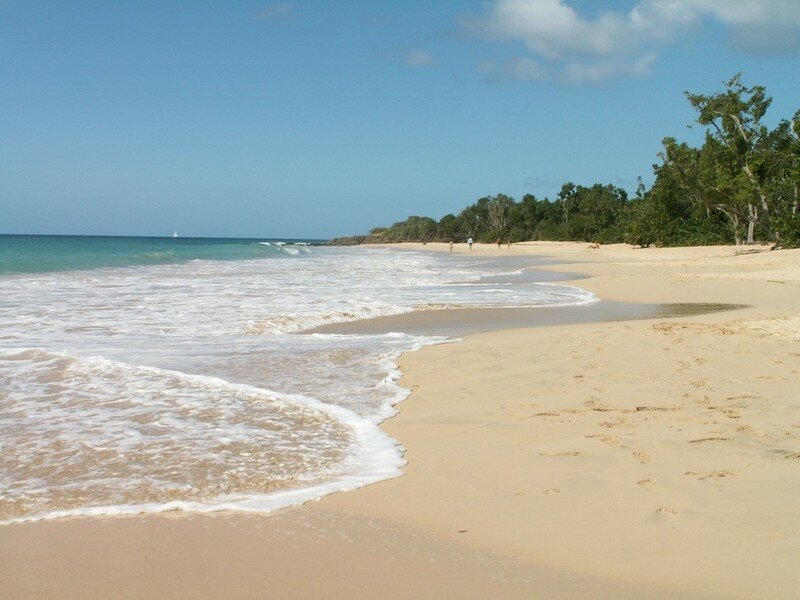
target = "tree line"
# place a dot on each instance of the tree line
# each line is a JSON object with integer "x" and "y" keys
{"x": 742, "y": 185}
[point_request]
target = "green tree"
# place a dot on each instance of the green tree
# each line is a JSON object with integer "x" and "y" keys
{"x": 735, "y": 120}
{"x": 708, "y": 177}
{"x": 448, "y": 228}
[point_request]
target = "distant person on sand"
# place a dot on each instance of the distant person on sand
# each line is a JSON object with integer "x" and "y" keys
{"x": 498, "y": 242}
{"x": 451, "y": 246}
{"x": 469, "y": 241}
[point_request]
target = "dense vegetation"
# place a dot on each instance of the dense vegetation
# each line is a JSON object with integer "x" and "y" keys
{"x": 741, "y": 185}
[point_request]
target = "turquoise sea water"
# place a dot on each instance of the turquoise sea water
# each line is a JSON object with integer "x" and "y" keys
{"x": 43, "y": 253}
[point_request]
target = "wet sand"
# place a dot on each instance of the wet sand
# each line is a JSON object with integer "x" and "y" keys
{"x": 311, "y": 552}
{"x": 466, "y": 321}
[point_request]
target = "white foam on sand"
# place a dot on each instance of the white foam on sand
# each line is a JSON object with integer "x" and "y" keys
{"x": 185, "y": 387}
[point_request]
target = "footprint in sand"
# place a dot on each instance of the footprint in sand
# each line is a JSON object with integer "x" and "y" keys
{"x": 606, "y": 439}
{"x": 610, "y": 440}
{"x": 570, "y": 453}
{"x": 664, "y": 513}
{"x": 642, "y": 457}
{"x": 731, "y": 413}
{"x": 742, "y": 397}
{"x": 705, "y": 400}
{"x": 718, "y": 475}
{"x": 550, "y": 491}
{"x": 544, "y": 414}
{"x": 646, "y": 484}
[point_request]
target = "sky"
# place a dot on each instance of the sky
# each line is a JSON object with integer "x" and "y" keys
{"x": 314, "y": 119}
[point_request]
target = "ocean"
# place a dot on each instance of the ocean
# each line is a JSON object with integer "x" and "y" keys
{"x": 154, "y": 374}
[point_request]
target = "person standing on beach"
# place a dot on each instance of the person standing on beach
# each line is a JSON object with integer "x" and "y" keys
{"x": 469, "y": 241}
{"x": 451, "y": 246}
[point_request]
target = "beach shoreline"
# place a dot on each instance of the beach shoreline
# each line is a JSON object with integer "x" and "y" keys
{"x": 614, "y": 459}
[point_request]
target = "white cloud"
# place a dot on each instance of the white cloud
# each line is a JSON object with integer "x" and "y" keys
{"x": 743, "y": 12}
{"x": 625, "y": 43}
{"x": 599, "y": 71}
{"x": 768, "y": 26}
{"x": 420, "y": 58}
{"x": 275, "y": 10}
{"x": 553, "y": 29}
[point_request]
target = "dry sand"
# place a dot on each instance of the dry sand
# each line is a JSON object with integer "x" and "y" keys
{"x": 644, "y": 458}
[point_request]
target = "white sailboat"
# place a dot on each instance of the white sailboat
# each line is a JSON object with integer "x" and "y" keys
{"x": 174, "y": 234}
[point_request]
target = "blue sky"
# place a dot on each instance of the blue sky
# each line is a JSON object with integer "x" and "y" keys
{"x": 316, "y": 119}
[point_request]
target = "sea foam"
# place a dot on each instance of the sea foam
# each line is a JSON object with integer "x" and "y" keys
{"x": 191, "y": 386}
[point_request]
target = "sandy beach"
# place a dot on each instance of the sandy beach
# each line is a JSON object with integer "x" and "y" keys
{"x": 653, "y": 457}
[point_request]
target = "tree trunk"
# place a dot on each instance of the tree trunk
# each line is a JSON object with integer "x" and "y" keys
{"x": 752, "y": 217}
{"x": 762, "y": 196}
{"x": 748, "y": 171}
{"x": 733, "y": 218}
